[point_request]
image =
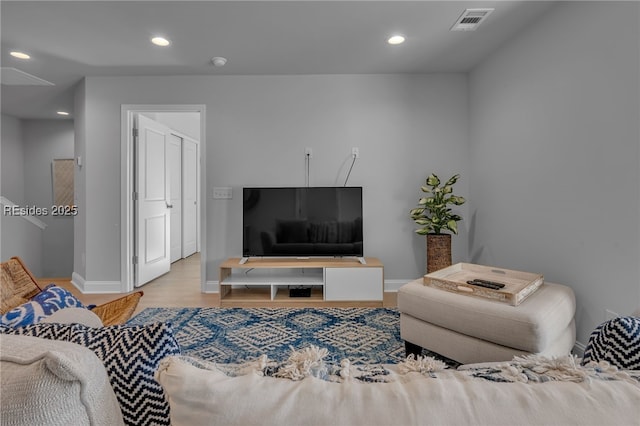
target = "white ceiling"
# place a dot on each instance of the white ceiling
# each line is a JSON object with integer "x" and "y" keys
{"x": 71, "y": 39}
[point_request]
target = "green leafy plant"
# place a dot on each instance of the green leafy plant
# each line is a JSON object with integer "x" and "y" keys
{"x": 433, "y": 213}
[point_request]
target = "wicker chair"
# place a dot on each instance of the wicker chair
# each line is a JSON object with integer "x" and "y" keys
{"x": 19, "y": 285}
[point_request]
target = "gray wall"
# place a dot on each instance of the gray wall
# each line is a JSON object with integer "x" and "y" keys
{"x": 18, "y": 237}
{"x": 12, "y": 159}
{"x": 555, "y": 156}
{"x": 23, "y": 239}
{"x": 44, "y": 141}
{"x": 187, "y": 123}
{"x": 257, "y": 129}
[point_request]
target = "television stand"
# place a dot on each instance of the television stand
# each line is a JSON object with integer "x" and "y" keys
{"x": 333, "y": 282}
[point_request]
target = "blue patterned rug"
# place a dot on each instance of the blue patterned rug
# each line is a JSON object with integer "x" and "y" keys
{"x": 236, "y": 335}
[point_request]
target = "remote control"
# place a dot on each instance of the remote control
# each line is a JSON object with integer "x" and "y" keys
{"x": 499, "y": 285}
{"x": 485, "y": 285}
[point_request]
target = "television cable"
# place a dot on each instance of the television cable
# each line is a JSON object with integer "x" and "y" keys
{"x": 308, "y": 167}
{"x": 350, "y": 168}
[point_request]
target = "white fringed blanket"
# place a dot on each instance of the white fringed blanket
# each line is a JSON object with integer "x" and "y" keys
{"x": 417, "y": 392}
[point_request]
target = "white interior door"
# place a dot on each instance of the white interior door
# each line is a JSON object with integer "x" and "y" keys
{"x": 190, "y": 197}
{"x": 152, "y": 201}
{"x": 174, "y": 153}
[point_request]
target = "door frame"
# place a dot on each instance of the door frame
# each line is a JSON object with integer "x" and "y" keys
{"x": 127, "y": 112}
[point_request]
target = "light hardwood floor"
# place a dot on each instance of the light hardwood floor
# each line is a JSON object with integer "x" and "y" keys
{"x": 178, "y": 288}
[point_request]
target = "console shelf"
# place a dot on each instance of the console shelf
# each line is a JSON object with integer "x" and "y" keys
{"x": 334, "y": 282}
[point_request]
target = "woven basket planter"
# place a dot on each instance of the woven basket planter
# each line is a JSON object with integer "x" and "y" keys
{"x": 438, "y": 251}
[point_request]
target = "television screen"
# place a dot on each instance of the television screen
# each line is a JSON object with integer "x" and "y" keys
{"x": 302, "y": 222}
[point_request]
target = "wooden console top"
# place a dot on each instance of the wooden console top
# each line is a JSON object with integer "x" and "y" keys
{"x": 276, "y": 262}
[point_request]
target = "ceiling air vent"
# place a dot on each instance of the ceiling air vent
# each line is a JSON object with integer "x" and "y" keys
{"x": 470, "y": 19}
{"x": 15, "y": 77}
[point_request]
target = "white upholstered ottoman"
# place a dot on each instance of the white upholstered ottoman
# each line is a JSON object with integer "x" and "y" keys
{"x": 471, "y": 329}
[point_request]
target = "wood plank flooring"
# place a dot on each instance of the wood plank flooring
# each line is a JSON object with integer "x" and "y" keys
{"x": 178, "y": 288}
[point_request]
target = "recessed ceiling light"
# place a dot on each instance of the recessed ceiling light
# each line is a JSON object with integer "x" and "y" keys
{"x": 396, "y": 39}
{"x": 19, "y": 55}
{"x": 160, "y": 41}
{"x": 62, "y": 113}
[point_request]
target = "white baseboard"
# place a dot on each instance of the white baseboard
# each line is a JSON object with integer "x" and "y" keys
{"x": 394, "y": 285}
{"x": 579, "y": 348}
{"x": 211, "y": 287}
{"x": 93, "y": 287}
{"x": 78, "y": 281}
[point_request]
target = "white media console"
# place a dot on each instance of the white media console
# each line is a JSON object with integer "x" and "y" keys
{"x": 267, "y": 281}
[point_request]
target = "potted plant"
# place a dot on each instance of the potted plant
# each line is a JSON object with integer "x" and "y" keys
{"x": 435, "y": 218}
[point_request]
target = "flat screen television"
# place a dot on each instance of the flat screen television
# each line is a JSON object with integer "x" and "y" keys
{"x": 302, "y": 222}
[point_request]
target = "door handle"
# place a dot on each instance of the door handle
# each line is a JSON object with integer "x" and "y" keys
{"x": 169, "y": 206}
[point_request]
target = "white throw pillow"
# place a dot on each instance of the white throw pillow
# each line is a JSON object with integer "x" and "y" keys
{"x": 130, "y": 355}
{"x": 74, "y": 316}
{"x": 47, "y": 382}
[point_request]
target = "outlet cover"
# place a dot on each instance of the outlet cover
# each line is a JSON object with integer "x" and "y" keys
{"x": 222, "y": 193}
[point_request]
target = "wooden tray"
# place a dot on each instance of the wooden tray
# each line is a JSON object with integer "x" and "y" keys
{"x": 518, "y": 285}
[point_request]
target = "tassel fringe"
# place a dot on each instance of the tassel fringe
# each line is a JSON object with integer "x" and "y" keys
{"x": 421, "y": 364}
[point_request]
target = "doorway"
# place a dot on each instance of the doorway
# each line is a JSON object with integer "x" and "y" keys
{"x": 183, "y": 154}
{"x": 128, "y": 165}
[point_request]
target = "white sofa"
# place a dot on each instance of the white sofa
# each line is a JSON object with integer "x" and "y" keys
{"x": 50, "y": 382}
{"x": 206, "y": 395}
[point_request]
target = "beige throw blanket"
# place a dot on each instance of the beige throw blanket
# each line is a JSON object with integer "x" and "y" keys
{"x": 418, "y": 392}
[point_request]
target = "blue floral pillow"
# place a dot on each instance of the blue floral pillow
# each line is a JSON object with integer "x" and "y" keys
{"x": 48, "y": 301}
